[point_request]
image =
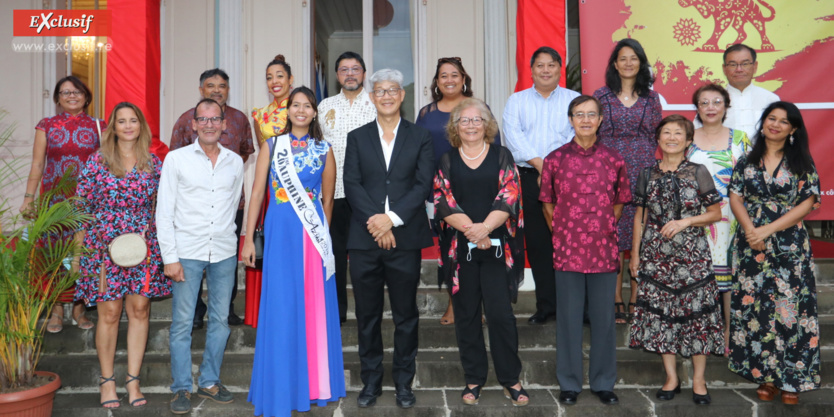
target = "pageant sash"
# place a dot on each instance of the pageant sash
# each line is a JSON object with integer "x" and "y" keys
{"x": 284, "y": 167}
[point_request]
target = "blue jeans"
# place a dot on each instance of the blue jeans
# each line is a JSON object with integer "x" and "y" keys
{"x": 219, "y": 284}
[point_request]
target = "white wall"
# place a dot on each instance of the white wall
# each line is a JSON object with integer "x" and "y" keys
{"x": 187, "y": 50}
{"x": 22, "y": 94}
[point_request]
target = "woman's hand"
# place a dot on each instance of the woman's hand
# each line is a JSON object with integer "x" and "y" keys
{"x": 248, "y": 253}
{"x": 672, "y": 228}
{"x": 756, "y": 237}
{"x": 28, "y": 208}
{"x": 484, "y": 244}
{"x": 476, "y": 232}
{"x": 634, "y": 266}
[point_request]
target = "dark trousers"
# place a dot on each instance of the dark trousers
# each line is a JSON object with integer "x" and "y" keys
{"x": 538, "y": 242}
{"x": 484, "y": 279}
{"x": 370, "y": 272}
{"x": 339, "y": 225}
{"x": 571, "y": 291}
{"x": 200, "y": 310}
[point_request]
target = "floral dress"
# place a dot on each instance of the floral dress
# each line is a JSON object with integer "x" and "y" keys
{"x": 270, "y": 120}
{"x": 774, "y": 332}
{"x": 677, "y": 307}
{"x": 508, "y": 199}
{"x": 118, "y": 206}
{"x": 630, "y": 131}
{"x": 719, "y": 234}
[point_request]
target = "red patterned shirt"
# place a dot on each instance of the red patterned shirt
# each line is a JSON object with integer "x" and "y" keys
{"x": 584, "y": 185}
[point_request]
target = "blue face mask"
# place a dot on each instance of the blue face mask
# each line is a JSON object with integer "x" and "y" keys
{"x": 496, "y": 243}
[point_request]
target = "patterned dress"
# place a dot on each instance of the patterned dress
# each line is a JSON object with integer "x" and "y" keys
{"x": 298, "y": 350}
{"x": 270, "y": 119}
{"x": 630, "y": 131}
{"x": 774, "y": 332}
{"x": 70, "y": 140}
{"x": 719, "y": 234}
{"x": 118, "y": 206}
{"x": 677, "y": 307}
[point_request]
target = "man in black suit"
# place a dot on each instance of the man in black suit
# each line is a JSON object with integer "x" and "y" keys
{"x": 388, "y": 171}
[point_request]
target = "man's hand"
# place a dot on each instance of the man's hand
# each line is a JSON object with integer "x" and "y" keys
{"x": 174, "y": 271}
{"x": 387, "y": 241}
{"x": 379, "y": 224}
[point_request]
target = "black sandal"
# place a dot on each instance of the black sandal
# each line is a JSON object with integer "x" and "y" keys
{"x": 130, "y": 379}
{"x": 476, "y": 392}
{"x": 514, "y": 395}
{"x": 620, "y": 316}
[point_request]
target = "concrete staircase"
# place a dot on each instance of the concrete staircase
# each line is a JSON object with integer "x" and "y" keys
{"x": 439, "y": 378}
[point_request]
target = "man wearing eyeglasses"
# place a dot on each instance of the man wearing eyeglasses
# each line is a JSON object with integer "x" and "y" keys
{"x": 340, "y": 114}
{"x": 749, "y": 101}
{"x": 236, "y": 137}
{"x": 199, "y": 190}
{"x": 388, "y": 171}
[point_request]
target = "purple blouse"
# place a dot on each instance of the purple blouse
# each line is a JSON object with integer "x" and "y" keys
{"x": 584, "y": 185}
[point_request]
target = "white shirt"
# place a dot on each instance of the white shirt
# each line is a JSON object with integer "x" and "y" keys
{"x": 197, "y": 203}
{"x": 534, "y": 125}
{"x": 746, "y": 108}
{"x": 337, "y": 117}
{"x": 387, "y": 150}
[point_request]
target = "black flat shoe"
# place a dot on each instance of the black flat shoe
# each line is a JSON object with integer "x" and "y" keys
{"x": 668, "y": 395}
{"x": 234, "y": 319}
{"x": 607, "y": 397}
{"x": 568, "y": 397}
{"x": 701, "y": 399}
{"x": 367, "y": 397}
{"x": 540, "y": 317}
{"x": 405, "y": 397}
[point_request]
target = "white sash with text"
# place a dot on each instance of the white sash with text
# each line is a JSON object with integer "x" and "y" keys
{"x": 304, "y": 207}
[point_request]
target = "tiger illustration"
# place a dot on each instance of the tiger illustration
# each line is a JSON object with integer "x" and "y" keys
{"x": 736, "y": 13}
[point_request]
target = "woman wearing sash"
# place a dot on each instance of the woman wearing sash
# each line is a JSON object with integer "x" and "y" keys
{"x": 298, "y": 351}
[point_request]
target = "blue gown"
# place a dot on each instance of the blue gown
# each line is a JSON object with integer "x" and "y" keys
{"x": 294, "y": 367}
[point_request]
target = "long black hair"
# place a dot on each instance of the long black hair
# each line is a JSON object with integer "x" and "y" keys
{"x": 798, "y": 154}
{"x": 314, "y": 130}
{"x": 643, "y": 84}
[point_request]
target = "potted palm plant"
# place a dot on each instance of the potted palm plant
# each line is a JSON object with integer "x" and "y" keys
{"x": 32, "y": 276}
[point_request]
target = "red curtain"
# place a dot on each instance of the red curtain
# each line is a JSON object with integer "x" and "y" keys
{"x": 133, "y": 63}
{"x": 538, "y": 23}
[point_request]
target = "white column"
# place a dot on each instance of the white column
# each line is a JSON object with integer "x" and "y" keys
{"x": 496, "y": 57}
{"x": 230, "y": 48}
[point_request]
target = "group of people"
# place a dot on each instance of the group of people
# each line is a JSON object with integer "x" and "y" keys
{"x": 577, "y": 187}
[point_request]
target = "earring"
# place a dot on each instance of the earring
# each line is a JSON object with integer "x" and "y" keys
{"x": 464, "y": 88}
{"x": 791, "y": 139}
{"x": 435, "y": 91}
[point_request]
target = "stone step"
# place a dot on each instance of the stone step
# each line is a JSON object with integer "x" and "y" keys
{"x": 825, "y": 271}
{"x": 432, "y": 335}
{"x": 435, "y": 369}
{"x": 741, "y": 402}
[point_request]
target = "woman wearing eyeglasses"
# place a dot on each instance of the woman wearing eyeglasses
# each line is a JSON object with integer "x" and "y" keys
{"x": 62, "y": 144}
{"x": 718, "y": 147}
{"x": 631, "y": 113}
{"x": 450, "y": 86}
{"x": 478, "y": 205}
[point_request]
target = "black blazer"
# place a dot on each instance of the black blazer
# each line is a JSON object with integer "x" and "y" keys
{"x": 407, "y": 184}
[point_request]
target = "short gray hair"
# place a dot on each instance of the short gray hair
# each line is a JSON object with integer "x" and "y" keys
{"x": 387, "y": 74}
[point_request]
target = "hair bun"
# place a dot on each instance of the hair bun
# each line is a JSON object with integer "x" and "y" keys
{"x": 280, "y": 57}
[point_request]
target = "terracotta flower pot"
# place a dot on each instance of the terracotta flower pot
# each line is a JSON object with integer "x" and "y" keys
{"x": 35, "y": 402}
